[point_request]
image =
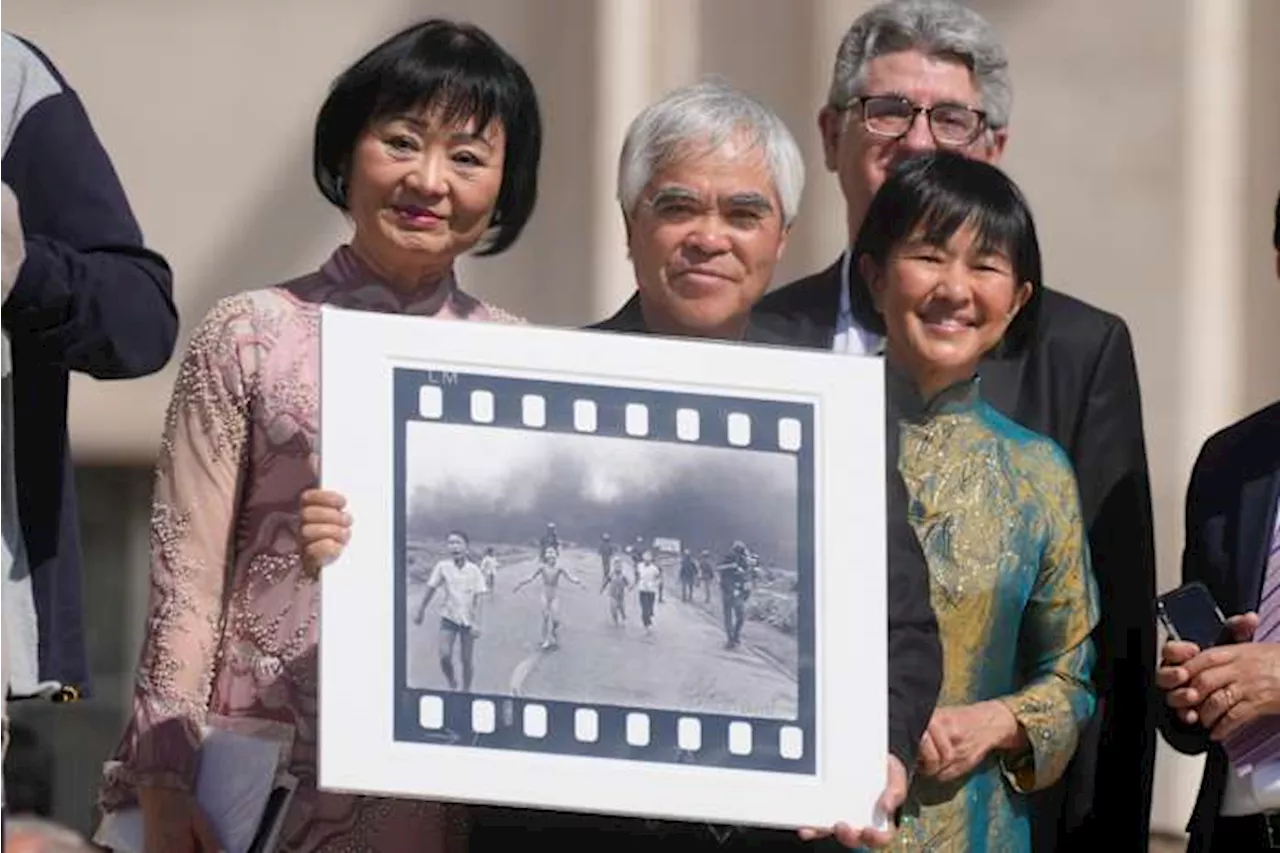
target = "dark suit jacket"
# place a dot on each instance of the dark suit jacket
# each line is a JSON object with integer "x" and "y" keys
{"x": 1231, "y": 507}
{"x": 915, "y": 677}
{"x": 1069, "y": 375}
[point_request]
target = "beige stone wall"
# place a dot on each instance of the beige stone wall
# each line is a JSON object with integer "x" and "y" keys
{"x": 1145, "y": 133}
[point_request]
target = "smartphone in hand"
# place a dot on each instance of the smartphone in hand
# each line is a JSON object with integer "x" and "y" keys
{"x": 1190, "y": 615}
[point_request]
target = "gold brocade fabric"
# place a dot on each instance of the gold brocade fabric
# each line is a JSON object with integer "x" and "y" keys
{"x": 996, "y": 509}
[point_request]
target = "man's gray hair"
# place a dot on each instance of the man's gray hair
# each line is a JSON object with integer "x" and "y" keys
{"x": 938, "y": 28}
{"x": 700, "y": 118}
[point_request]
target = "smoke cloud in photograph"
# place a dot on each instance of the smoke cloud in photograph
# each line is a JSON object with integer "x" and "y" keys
{"x": 504, "y": 485}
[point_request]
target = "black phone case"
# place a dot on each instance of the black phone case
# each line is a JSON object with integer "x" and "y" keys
{"x": 1223, "y": 636}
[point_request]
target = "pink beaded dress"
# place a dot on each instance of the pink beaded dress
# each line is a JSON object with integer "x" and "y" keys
{"x": 232, "y": 617}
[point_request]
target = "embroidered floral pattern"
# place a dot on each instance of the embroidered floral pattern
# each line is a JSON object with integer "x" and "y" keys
{"x": 232, "y": 617}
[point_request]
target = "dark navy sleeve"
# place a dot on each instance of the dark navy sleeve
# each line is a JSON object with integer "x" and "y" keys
{"x": 90, "y": 296}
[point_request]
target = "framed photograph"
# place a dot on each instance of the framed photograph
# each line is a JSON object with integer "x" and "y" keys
{"x": 609, "y": 573}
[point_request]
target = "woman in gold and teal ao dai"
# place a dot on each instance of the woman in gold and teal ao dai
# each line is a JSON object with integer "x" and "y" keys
{"x": 948, "y": 250}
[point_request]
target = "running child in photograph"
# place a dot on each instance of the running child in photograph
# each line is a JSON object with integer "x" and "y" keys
{"x": 617, "y": 581}
{"x": 550, "y": 572}
{"x": 463, "y": 584}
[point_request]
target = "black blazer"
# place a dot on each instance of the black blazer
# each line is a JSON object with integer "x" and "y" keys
{"x": 1231, "y": 507}
{"x": 1070, "y": 375}
{"x": 915, "y": 677}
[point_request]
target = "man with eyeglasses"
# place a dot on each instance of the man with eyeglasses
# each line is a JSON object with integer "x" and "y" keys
{"x": 916, "y": 75}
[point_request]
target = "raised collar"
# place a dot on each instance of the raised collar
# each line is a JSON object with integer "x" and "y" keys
{"x": 355, "y": 285}
{"x": 908, "y": 404}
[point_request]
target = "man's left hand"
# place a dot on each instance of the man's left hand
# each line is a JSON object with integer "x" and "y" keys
{"x": 1234, "y": 685}
{"x": 895, "y": 791}
{"x": 1172, "y": 675}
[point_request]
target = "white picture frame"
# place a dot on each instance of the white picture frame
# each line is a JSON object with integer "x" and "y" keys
{"x": 404, "y": 399}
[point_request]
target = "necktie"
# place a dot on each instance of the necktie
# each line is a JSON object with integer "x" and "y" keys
{"x": 1259, "y": 742}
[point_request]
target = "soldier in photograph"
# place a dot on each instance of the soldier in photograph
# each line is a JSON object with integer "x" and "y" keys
{"x": 735, "y": 587}
{"x": 607, "y": 552}
{"x": 688, "y": 575}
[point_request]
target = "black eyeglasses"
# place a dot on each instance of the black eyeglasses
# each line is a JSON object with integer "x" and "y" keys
{"x": 890, "y": 116}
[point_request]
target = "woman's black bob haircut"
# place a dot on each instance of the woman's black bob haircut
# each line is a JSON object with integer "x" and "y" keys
{"x": 933, "y": 196}
{"x": 456, "y": 68}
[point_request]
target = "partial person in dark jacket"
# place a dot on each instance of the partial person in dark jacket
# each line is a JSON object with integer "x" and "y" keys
{"x": 88, "y": 297}
{"x": 1225, "y": 702}
{"x": 709, "y": 183}
{"x": 914, "y": 76}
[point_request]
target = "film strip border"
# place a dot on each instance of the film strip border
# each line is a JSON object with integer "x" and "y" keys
{"x": 568, "y": 728}
{"x": 703, "y": 419}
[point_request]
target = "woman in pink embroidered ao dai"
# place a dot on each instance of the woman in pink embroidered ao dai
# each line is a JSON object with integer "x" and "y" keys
{"x": 430, "y": 143}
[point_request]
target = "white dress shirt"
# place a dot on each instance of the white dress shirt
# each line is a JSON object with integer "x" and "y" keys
{"x": 462, "y": 584}
{"x": 852, "y": 339}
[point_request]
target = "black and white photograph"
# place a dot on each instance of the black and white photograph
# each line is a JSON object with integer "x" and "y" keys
{"x": 652, "y": 569}
{"x": 601, "y": 570}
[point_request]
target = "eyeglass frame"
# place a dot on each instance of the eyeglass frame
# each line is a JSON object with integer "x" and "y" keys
{"x": 916, "y": 111}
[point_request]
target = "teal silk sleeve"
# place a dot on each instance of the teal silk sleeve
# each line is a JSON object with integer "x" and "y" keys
{"x": 1054, "y": 643}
